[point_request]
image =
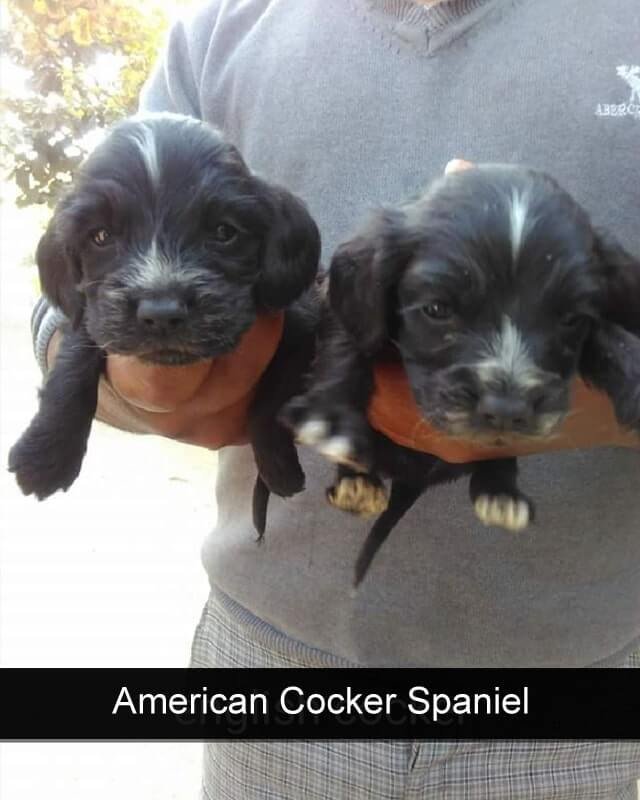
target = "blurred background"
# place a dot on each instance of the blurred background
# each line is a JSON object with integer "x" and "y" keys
{"x": 109, "y": 573}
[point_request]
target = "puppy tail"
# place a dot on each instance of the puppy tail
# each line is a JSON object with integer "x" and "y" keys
{"x": 403, "y": 496}
{"x": 260, "y": 504}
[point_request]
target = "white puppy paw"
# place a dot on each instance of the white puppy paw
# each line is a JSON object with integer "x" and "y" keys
{"x": 512, "y": 513}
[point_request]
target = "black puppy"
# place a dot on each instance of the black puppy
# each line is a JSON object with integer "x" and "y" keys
{"x": 494, "y": 291}
{"x": 167, "y": 248}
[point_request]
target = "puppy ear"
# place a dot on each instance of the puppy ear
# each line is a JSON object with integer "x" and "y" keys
{"x": 611, "y": 362}
{"x": 621, "y": 283}
{"x": 59, "y": 272}
{"x": 363, "y": 275}
{"x": 291, "y": 250}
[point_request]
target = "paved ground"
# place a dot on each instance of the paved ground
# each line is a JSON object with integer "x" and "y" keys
{"x": 106, "y": 575}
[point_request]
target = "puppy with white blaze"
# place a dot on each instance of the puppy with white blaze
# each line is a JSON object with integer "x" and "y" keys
{"x": 168, "y": 248}
{"x": 495, "y": 292}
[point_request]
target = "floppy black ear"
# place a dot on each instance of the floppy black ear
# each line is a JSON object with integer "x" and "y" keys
{"x": 363, "y": 275}
{"x": 611, "y": 362}
{"x": 59, "y": 272}
{"x": 621, "y": 283}
{"x": 291, "y": 250}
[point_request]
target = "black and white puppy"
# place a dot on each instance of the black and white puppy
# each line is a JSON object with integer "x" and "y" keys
{"x": 167, "y": 247}
{"x": 494, "y": 291}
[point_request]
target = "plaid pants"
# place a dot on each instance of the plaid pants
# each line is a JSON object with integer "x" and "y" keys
{"x": 229, "y": 636}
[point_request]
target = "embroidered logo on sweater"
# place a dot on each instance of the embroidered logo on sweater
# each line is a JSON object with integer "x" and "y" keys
{"x": 631, "y": 76}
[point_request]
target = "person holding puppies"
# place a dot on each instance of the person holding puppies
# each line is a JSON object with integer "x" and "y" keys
{"x": 351, "y": 105}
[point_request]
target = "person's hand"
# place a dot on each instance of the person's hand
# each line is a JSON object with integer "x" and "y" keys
{"x": 205, "y": 403}
{"x": 591, "y": 421}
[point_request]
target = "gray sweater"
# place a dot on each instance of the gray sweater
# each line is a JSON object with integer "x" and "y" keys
{"x": 356, "y": 102}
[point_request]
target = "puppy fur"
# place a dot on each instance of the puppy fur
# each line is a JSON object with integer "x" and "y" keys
{"x": 167, "y": 247}
{"x": 494, "y": 291}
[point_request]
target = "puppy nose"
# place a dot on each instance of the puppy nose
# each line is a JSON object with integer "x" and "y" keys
{"x": 503, "y": 412}
{"x": 161, "y": 313}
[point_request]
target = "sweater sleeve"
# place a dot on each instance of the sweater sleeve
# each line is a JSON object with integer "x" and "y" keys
{"x": 171, "y": 86}
{"x": 45, "y": 321}
{"x": 174, "y": 84}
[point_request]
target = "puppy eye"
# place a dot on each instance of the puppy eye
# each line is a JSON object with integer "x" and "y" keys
{"x": 100, "y": 236}
{"x": 437, "y": 309}
{"x": 224, "y": 233}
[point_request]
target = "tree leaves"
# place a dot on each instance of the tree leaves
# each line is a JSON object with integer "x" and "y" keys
{"x": 86, "y": 61}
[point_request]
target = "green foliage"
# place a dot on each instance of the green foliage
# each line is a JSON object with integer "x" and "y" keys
{"x": 84, "y": 62}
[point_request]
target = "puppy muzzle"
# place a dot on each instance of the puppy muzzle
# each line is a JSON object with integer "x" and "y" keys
{"x": 461, "y": 402}
{"x": 176, "y": 325}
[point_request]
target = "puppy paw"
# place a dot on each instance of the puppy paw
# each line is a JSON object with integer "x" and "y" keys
{"x": 339, "y": 433}
{"x": 504, "y": 511}
{"x": 359, "y": 494}
{"x": 43, "y": 467}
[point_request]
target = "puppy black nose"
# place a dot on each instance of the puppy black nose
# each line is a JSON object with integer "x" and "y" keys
{"x": 503, "y": 412}
{"x": 162, "y": 313}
